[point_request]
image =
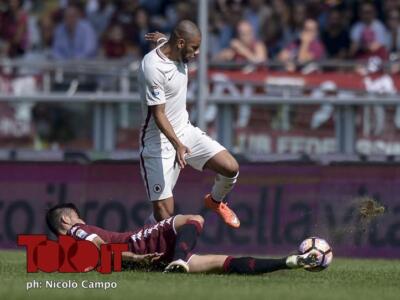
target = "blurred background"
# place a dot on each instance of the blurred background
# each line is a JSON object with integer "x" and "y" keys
{"x": 284, "y": 77}
{"x": 303, "y": 93}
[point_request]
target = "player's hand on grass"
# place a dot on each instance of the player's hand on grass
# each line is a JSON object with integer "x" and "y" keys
{"x": 154, "y": 36}
{"x": 181, "y": 152}
{"x": 146, "y": 258}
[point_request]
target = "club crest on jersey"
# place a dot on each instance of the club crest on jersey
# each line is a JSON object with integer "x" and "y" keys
{"x": 81, "y": 234}
{"x": 157, "y": 188}
{"x": 155, "y": 90}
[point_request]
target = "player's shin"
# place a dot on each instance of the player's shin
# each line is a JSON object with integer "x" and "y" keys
{"x": 186, "y": 239}
{"x": 222, "y": 186}
{"x": 251, "y": 265}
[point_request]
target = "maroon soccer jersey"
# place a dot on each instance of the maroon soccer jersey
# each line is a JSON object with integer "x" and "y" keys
{"x": 158, "y": 238}
{"x": 89, "y": 232}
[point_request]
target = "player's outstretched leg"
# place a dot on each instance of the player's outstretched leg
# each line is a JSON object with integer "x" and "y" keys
{"x": 227, "y": 169}
{"x": 187, "y": 227}
{"x": 249, "y": 265}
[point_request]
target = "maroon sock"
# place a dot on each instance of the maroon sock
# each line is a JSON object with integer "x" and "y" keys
{"x": 251, "y": 265}
{"x": 186, "y": 239}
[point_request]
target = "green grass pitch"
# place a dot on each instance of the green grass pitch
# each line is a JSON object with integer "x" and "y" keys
{"x": 345, "y": 279}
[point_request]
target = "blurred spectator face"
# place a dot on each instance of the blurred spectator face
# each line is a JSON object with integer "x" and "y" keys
{"x": 46, "y": 30}
{"x": 299, "y": 14}
{"x": 389, "y": 5}
{"x": 334, "y": 20}
{"x": 367, "y": 37}
{"x": 141, "y": 18}
{"x": 235, "y": 5}
{"x": 282, "y": 10}
{"x": 367, "y": 13}
{"x": 184, "y": 11}
{"x": 128, "y": 6}
{"x": 311, "y": 28}
{"x": 272, "y": 28}
{"x": 393, "y": 20}
{"x": 71, "y": 17}
{"x": 15, "y": 5}
{"x": 255, "y": 4}
{"x": 103, "y": 3}
{"x": 116, "y": 33}
{"x": 245, "y": 33}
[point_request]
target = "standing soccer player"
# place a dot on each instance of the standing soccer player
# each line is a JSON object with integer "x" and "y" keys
{"x": 168, "y": 140}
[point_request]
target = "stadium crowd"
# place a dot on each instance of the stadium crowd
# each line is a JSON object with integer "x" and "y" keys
{"x": 240, "y": 30}
{"x": 292, "y": 32}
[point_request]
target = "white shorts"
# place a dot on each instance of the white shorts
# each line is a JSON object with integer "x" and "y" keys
{"x": 157, "y": 161}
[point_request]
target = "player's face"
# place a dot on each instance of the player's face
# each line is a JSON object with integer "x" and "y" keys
{"x": 190, "y": 49}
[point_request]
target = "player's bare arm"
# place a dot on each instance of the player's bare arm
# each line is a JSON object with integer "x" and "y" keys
{"x": 130, "y": 256}
{"x": 158, "y": 112}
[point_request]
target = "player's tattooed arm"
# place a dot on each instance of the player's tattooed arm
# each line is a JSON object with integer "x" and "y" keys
{"x": 98, "y": 241}
{"x": 130, "y": 256}
{"x": 165, "y": 126}
{"x": 145, "y": 259}
{"x": 155, "y": 37}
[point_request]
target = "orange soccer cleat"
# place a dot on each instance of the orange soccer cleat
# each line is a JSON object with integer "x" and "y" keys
{"x": 223, "y": 211}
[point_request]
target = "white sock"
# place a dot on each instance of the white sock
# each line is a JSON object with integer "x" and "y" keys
{"x": 291, "y": 262}
{"x": 222, "y": 186}
{"x": 150, "y": 220}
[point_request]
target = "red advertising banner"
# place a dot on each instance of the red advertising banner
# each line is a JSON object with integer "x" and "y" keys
{"x": 278, "y": 204}
{"x": 342, "y": 80}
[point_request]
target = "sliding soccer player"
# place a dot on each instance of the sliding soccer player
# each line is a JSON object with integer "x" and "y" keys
{"x": 170, "y": 242}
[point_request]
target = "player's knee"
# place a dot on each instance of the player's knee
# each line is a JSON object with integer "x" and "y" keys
{"x": 231, "y": 168}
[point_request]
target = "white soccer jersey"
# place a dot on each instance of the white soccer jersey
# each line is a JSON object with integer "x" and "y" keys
{"x": 162, "y": 80}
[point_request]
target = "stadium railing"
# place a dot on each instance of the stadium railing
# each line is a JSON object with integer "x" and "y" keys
{"x": 106, "y": 99}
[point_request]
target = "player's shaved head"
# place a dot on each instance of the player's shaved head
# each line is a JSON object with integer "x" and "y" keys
{"x": 54, "y": 215}
{"x": 185, "y": 41}
{"x": 186, "y": 30}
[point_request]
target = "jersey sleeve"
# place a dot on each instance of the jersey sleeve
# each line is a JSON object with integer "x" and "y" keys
{"x": 154, "y": 85}
{"x": 83, "y": 232}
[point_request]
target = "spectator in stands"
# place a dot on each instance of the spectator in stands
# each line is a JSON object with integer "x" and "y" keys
{"x": 393, "y": 37}
{"x": 277, "y": 29}
{"x": 231, "y": 12}
{"x": 217, "y": 40}
{"x": 368, "y": 36}
{"x": 306, "y": 49}
{"x": 41, "y": 49}
{"x": 180, "y": 10}
{"x": 74, "y": 38}
{"x": 273, "y": 33}
{"x": 245, "y": 47}
{"x": 141, "y": 26}
{"x": 100, "y": 13}
{"x": 256, "y": 14}
{"x": 115, "y": 44}
{"x": 389, "y": 6}
{"x": 335, "y": 37}
{"x": 298, "y": 18}
{"x": 125, "y": 16}
{"x": 14, "y": 28}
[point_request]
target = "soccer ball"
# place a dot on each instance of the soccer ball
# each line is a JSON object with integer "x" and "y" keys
{"x": 321, "y": 249}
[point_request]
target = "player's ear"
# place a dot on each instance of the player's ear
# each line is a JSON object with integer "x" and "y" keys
{"x": 65, "y": 219}
{"x": 181, "y": 43}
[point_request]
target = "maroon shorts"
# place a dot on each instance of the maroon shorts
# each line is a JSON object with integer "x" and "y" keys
{"x": 158, "y": 238}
